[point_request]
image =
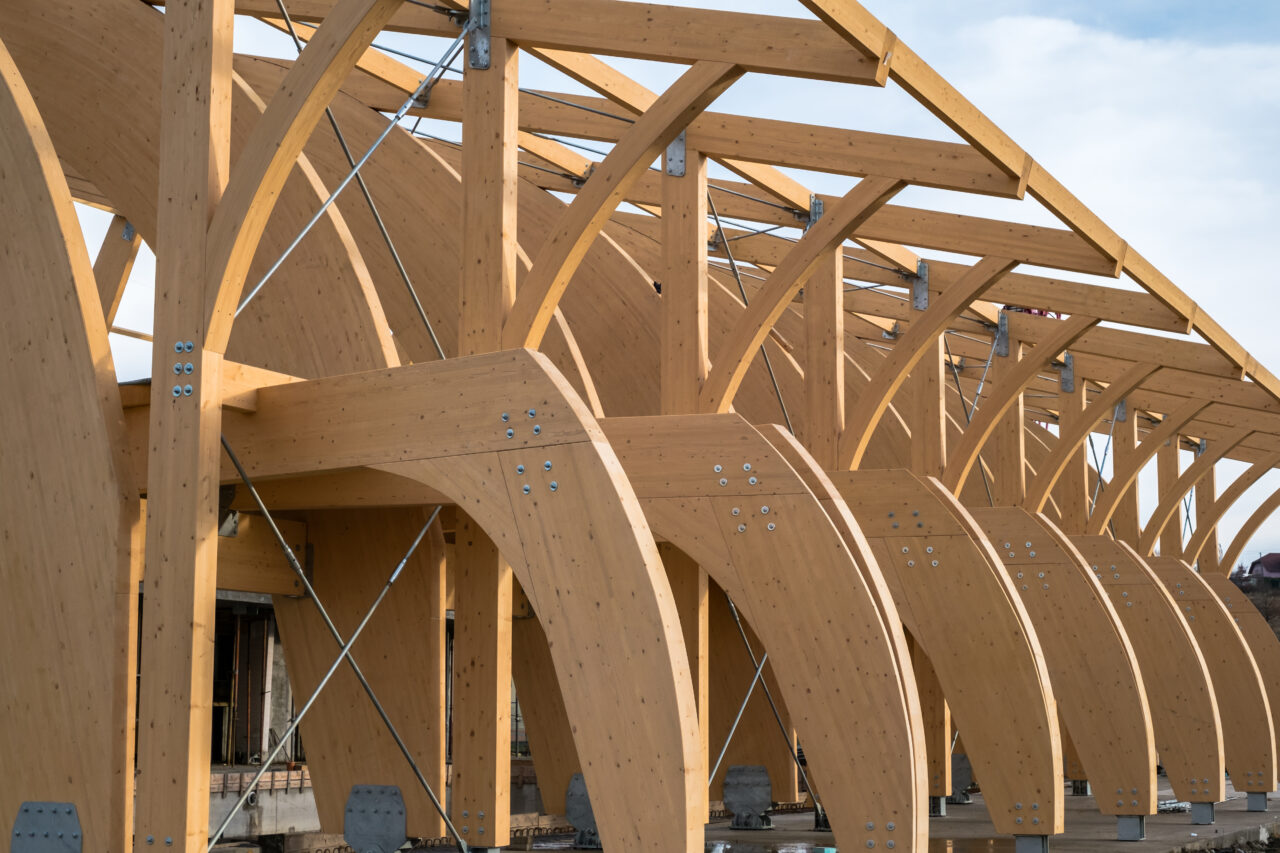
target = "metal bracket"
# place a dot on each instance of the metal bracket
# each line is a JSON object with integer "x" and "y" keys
{"x": 892, "y": 334}
{"x": 1131, "y": 827}
{"x": 676, "y": 157}
{"x": 46, "y": 828}
{"x": 478, "y": 40}
{"x": 374, "y": 821}
{"x": 920, "y": 286}
{"x": 128, "y": 233}
{"x": 1031, "y": 844}
{"x": 815, "y": 211}
{"x": 1067, "y": 375}
{"x": 1122, "y": 412}
{"x": 1002, "y": 335}
{"x": 1257, "y": 801}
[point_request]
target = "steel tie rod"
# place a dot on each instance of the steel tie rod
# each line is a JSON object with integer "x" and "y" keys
{"x": 426, "y": 84}
{"x": 734, "y": 728}
{"x": 337, "y": 636}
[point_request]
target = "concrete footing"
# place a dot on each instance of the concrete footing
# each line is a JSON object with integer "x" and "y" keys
{"x": 1201, "y": 814}
{"x": 1131, "y": 827}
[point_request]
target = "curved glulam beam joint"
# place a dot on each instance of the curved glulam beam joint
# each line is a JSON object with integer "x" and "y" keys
{"x": 908, "y": 351}
{"x": 274, "y": 146}
{"x": 1075, "y": 432}
{"x": 1173, "y": 496}
{"x": 1224, "y": 502}
{"x": 1264, "y": 511}
{"x": 560, "y": 255}
{"x": 996, "y": 406}
{"x": 775, "y": 295}
{"x": 1124, "y": 478}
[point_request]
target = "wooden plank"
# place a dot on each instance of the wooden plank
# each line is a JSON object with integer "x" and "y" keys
{"x": 1248, "y": 734}
{"x": 935, "y": 716}
{"x": 1167, "y": 471}
{"x": 67, "y": 577}
{"x": 824, "y": 383}
{"x": 1073, "y": 488}
{"x": 1231, "y": 556}
{"x": 907, "y": 353}
{"x": 929, "y": 427}
{"x": 251, "y": 560}
{"x": 563, "y": 250}
{"x": 176, "y": 678}
{"x": 1096, "y": 677}
{"x": 1184, "y": 711}
{"x": 1201, "y": 535}
{"x": 735, "y": 355}
{"x": 488, "y": 287}
{"x": 935, "y": 604}
{"x": 401, "y": 653}
{"x": 1206, "y": 491}
{"x": 114, "y": 263}
{"x": 683, "y": 362}
{"x": 1125, "y": 522}
{"x": 481, "y": 788}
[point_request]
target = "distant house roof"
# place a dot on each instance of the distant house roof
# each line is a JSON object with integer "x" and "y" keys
{"x": 1268, "y": 566}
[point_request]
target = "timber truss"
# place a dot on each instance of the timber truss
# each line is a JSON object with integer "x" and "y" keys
{"x": 651, "y": 417}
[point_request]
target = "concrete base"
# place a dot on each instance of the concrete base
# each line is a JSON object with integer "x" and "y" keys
{"x": 269, "y": 813}
{"x": 1031, "y": 844}
{"x": 937, "y": 807}
{"x": 1257, "y": 801}
{"x": 1201, "y": 814}
{"x": 1081, "y": 788}
{"x": 1131, "y": 827}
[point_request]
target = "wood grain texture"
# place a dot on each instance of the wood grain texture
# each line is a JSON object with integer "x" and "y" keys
{"x": 1248, "y": 733}
{"x": 1018, "y": 759}
{"x": 1172, "y": 493}
{"x": 1180, "y": 693}
{"x": 347, "y": 744}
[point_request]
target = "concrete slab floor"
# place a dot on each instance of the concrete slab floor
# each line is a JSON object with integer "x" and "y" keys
{"x": 967, "y": 829}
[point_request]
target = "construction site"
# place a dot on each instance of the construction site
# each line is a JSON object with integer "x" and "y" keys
{"x": 523, "y": 454}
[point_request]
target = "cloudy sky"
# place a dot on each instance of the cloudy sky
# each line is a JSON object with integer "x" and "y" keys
{"x": 1161, "y": 115}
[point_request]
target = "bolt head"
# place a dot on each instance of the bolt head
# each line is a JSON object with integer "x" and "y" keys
{"x": 506, "y": 417}
{"x": 526, "y": 489}
{"x": 537, "y": 430}
{"x": 719, "y": 468}
{"x": 554, "y": 485}
{"x": 746, "y": 466}
{"x": 510, "y": 433}
{"x": 546, "y": 466}
{"x": 519, "y": 469}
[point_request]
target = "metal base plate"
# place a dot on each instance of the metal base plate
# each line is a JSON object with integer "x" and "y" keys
{"x": 1201, "y": 814}
{"x": 937, "y": 807}
{"x": 46, "y": 828}
{"x": 1131, "y": 827}
{"x": 374, "y": 821}
{"x": 1257, "y": 801}
{"x": 1031, "y": 844}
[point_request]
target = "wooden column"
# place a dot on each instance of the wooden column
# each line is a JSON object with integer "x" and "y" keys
{"x": 546, "y": 720}
{"x": 928, "y": 457}
{"x": 1167, "y": 472}
{"x": 683, "y": 337}
{"x": 684, "y": 363}
{"x": 824, "y": 359}
{"x": 1073, "y": 491}
{"x": 689, "y": 587}
{"x": 113, "y": 264}
{"x": 1008, "y": 452}
{"x": 929, "y": 426}
{"x": 1206, "y": 495}
{"x": 1124, "y": 444}
{"x": 181, "y": 559}
{"x": 489, "y": 184}
{"x": 481, "y": 807}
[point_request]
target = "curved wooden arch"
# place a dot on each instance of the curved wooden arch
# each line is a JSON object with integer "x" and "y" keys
{"x": 558, "y": 257}
{"x": 1184, "y": 707}
{"x": 735, "y": 355}
{"x": 1224, "y": 502}
{"x": 1123, "y": 478}
{"x": 762, "y": 536}
{"x": 912, "y": 524}
{"x": 1248, "y": 734}
{"x": 1262, "y": 641}
{"x": 910, "y": 348}
{"x": 70, "y": 588}
{"x": 1250, "y": 527}
{"x": 1173, "y": 495}
{"x": 1005, "y": 395}
{"x": 1077, "y": 430}
{"x": 273, "y": 147}
{"x": 1095, "y": 673}
{"x": 440, "y": 424}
